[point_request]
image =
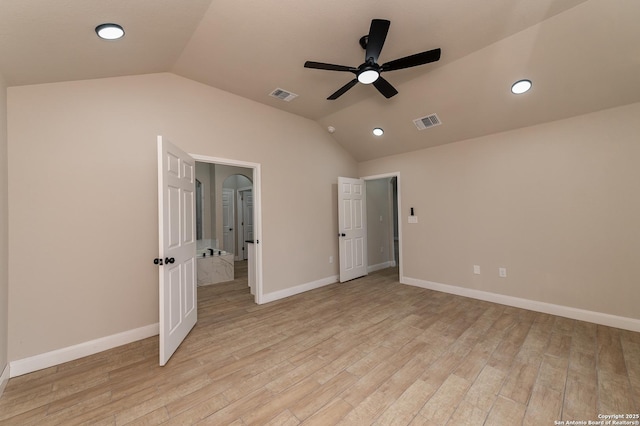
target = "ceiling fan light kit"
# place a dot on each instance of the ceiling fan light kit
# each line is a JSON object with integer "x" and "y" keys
{"x": 368, "y": 76}
{"x": 369, "y": 72}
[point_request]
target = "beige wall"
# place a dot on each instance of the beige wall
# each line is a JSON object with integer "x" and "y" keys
{"x": 205, "y": 174}
{"x": 4, "y": 229}
{"x": 556, "y": 204}
{"x": 83, "y": 198}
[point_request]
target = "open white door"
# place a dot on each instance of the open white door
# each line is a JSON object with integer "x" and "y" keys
{"x": 176, "y": 203}
{"x": 247, "y": 216}
{"x": 352, "y": 221}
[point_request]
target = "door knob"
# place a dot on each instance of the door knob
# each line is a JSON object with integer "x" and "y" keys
{"x": 342, "y": 235}
{"x": 169, "y": 260}
{"x": 157, "y": 261}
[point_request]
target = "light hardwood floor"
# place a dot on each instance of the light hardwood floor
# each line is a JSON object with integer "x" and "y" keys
{"x": 370, "y": 351}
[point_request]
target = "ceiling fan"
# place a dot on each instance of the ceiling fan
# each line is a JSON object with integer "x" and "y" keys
{"x": 369, "y": 72}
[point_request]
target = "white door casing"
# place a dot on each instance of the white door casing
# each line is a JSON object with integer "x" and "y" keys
{"x": 352, "y": 223}
{"x": 177, "y": 246}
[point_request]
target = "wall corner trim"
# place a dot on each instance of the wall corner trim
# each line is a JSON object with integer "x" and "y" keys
{"x": 70, "y": 353}
{"x": 292, "y": 291}
{"x": 601, "y": 318}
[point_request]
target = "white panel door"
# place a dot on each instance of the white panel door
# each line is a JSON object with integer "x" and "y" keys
{"x": 177, "y": 241}
{"x": 247, "y": 214}
{"x": 228, "y": 216}
{"x": 352, "y": 223}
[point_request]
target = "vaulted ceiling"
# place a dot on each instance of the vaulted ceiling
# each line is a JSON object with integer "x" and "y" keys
{"x": 581, "y": 55}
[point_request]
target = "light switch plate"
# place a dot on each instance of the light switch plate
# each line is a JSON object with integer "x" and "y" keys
{"x": 413, "y": 219}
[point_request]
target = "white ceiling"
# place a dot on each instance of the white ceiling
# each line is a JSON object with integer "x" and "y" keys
{"x": 582, "y": 56}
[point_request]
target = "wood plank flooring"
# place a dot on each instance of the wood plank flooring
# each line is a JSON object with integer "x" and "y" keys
{"x": 370, "y": 351}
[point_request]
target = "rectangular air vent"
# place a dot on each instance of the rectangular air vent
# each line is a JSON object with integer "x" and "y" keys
{"x": 426, "y": 122}
{"x": 283, "y": 95}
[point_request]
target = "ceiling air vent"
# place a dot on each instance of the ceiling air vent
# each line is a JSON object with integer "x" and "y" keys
{"x": 283, "y": 95}
{"x": 426, "y": 122}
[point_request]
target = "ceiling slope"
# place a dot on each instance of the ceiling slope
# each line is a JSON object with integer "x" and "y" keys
{"x": 44, "y": 41}
{"x": 581, "y": 55}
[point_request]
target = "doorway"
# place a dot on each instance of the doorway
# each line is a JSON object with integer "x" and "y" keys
{"x": 217, "y": 214}
{"x": 383, "y": 222}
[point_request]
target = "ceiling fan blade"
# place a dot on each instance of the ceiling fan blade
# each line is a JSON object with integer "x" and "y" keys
{"x": 341, "y": 91}
{"x": 385, "y": 87}
{"x": 377, "y": 36}
{"x": 330, "y": 67}
{"x": 412, "y": 61}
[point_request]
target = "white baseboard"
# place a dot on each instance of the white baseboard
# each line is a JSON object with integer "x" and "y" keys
{"x": 59, "y": 356}
{"x": 281, "y": 294}
{"x": 379, "y": 266}
{"x": 4, "y": 378}
{"x": 625, "y": 323}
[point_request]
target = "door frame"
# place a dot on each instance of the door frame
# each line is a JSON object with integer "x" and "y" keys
{"x": 398, "y": 200}
{"x": 257, "y": 212}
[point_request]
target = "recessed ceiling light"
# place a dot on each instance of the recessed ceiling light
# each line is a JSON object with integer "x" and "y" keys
{"x": 378, "y": 131}
{"x": 109, "y": 31}
{"x": 521, "y": 86}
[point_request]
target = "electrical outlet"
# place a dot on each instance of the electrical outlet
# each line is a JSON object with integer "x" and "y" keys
{"x": 502, "y": 272}
{"x": 413, "y": 219}
{"x": 476, "y": 269}
{"x": 381, "y": 249}
{"x": 330, "y": 259}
